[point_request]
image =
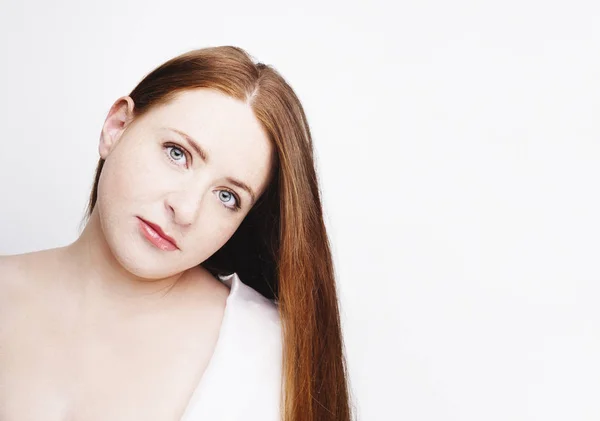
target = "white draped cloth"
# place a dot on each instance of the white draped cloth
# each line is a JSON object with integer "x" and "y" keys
{"x": 243, "y": 378}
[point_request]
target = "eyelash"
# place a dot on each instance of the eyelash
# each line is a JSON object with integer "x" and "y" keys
{"x": 238, "y": 202}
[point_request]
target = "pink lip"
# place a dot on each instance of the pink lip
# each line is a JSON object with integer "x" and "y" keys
{"x": 156, "y": 236}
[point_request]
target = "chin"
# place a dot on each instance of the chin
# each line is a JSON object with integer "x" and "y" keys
{"x": 132, "y": 251}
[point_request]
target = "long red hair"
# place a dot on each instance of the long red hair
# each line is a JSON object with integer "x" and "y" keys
{"x": 281, "y": 249}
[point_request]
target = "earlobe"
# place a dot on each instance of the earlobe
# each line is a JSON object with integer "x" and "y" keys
{"x": 118, "y": 118}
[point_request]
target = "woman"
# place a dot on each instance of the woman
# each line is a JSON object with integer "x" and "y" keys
{"x": 202, "y": 286}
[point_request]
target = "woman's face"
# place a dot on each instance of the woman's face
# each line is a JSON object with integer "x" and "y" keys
{"x": 154, "y": 173}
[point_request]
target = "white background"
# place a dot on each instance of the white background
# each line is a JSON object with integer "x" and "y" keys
{"x": 459, "y": 160}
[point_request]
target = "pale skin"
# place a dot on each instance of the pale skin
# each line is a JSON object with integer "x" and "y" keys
{"x": 112, "y": 327}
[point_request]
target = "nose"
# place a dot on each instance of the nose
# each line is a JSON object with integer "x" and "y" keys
{"x": 184, "y": 203}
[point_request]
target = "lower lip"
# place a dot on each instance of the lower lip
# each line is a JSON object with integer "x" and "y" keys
{"x": 155, "y": 238}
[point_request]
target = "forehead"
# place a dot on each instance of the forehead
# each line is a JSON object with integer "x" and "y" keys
{"x": 206, "y": 109}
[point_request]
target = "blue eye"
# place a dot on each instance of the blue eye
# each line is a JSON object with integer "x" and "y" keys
{"x": 228, "y": 195}
{"x": 175, "y": 154}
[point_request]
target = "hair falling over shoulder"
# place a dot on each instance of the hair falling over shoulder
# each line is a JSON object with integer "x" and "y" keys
{"x": 281, "y": 249}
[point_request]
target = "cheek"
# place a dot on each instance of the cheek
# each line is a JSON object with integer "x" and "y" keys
{"x": 129, "y": 177}
{"x": 210, "y": 236}
{"x": 223, "y": 232}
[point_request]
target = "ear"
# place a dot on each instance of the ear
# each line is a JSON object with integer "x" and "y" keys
{"x": 118, "y": 118}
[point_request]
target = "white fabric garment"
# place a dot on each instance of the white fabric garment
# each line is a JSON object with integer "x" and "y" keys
{"x": 243, "y": 378}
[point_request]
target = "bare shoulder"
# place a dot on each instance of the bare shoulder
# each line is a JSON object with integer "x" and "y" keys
{"x": 21, "y": 264}
{"x": 13, "y": 269}
{"x": 13, "y": 289}
{"x": 19, "y": 271}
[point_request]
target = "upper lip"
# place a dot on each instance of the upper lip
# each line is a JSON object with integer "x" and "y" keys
{"x": 160, "y": 232}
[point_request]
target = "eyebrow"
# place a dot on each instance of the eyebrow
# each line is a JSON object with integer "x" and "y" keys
{"x": 194, "y": 145}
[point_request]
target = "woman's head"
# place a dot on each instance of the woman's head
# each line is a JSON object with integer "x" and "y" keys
{"x": 194, "y": 165}
{"x": 253, "y": 130}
